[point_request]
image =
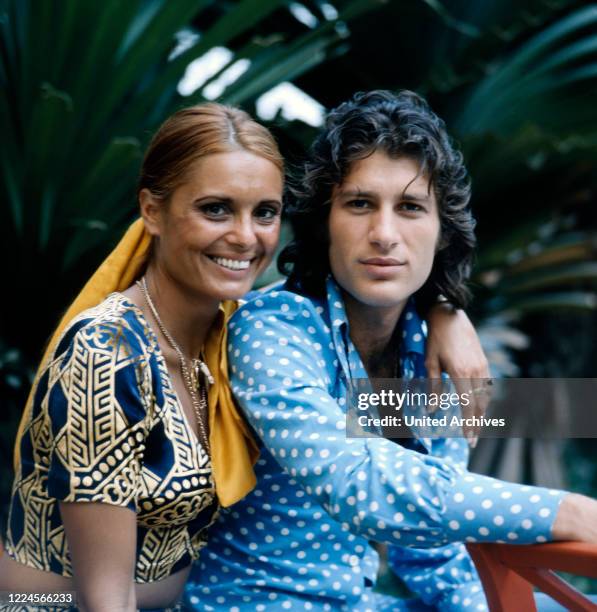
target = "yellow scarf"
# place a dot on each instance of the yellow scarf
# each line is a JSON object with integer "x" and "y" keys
{"x": 233, "y": 450}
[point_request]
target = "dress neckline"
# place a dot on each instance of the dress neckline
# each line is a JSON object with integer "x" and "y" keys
{"x": 160, "y": 357}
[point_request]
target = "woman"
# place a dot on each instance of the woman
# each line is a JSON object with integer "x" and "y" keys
{"x": 127, "y": 446}
{"x": 382, "y": 221}
{"x": 119, "y": 416}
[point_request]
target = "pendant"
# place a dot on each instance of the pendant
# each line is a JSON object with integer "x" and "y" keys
{"x": 199, "y": 366}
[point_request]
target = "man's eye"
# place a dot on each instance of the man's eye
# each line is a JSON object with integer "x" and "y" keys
{"x": 359, "y": 204}
{"x": 411, "y": 207}
{"x": 214, "y": 210}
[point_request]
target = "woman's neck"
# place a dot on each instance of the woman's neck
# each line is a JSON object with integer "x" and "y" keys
{"x": 187, "y": 317}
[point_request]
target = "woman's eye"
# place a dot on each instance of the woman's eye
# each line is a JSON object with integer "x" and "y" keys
{"x": 214, "y": 210}
{"x": 266, "y": 213}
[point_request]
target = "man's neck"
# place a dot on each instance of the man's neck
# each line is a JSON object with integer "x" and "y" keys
{"x": 372, "y": 332}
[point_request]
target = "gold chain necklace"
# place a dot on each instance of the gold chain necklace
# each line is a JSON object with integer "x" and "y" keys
{"x": 193, "y": 377}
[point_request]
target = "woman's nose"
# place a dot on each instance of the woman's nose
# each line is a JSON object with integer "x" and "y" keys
{"x": 243, "y": 233}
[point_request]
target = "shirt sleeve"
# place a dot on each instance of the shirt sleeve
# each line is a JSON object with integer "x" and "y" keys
{"x": 96, "y": 409}
{"x": 443, "y": 577}
{"x": 371, "y": 486}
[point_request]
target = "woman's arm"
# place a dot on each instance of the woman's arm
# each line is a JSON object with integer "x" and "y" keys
{"x": 97, "y": 416}
{"x": 102, "y": 543}
{"x": 453, "y": 345}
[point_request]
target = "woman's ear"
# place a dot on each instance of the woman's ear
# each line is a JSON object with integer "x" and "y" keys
{"x": 151, "y": 212}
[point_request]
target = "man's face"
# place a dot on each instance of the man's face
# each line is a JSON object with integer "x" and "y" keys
{"x": 384, "y": 229}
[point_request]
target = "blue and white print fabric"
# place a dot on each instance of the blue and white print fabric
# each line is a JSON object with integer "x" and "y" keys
{"x": 300, "y": 539}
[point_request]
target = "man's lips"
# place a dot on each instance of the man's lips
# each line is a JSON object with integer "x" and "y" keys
{"x": 382, "y": 261}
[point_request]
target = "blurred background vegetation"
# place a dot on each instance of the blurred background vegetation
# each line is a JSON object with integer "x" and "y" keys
{"x": 84, "y": 84}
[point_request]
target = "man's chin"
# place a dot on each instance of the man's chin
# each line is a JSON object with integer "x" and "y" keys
{"x": 383, "y": 300}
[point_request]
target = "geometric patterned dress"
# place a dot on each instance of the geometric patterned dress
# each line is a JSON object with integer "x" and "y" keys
{"x": 107, "y": 426}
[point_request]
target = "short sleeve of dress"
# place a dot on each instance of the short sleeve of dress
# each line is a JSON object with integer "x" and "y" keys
{"x": 96, "y": 407}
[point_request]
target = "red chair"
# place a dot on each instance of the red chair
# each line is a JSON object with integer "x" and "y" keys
{"x": 510, "y": 572}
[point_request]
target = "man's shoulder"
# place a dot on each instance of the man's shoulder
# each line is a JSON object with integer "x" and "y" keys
{"x": 280, "y": 302}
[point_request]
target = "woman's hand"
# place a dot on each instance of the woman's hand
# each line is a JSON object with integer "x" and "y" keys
{"x": 453, "y": 347}
{"x": 102, "y": 541}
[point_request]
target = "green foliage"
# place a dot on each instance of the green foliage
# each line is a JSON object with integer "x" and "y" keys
{"x": 528, "y": 125}
{"x": 15, "y": 378}
{"x": 516, "y": 83}
{"x": 82, "y": 86}
{"x": 583, "y": 478}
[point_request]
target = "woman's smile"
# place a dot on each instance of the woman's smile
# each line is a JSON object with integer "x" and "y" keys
{"x": 232, "y": 264}
{"x": 228, "y": 212}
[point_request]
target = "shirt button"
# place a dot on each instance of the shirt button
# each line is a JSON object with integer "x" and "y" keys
{"x": 353, "y": 560}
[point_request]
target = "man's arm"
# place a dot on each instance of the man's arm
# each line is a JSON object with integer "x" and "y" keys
{"x": 373, "y": 487}
{"x": 577, "y": 519}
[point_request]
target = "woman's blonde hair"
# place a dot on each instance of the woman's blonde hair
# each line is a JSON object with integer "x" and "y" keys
{"x": 197, "y": 131}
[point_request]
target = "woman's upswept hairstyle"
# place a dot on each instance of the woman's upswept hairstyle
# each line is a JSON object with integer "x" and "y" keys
{"x": 195, "y": 132}
{"x": 401, "y": 125}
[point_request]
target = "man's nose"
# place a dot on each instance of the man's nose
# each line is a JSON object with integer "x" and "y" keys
{"x": 384, "y": 231}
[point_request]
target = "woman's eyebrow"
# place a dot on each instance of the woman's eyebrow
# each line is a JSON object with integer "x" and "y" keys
{"x": 213, "y": 196}
{"x": 222, "y": 199}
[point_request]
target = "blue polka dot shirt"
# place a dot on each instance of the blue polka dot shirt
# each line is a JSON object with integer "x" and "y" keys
{"x": 301, "y": 539}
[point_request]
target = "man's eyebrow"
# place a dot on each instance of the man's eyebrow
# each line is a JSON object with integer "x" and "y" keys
{"x": 355, "y": 193}
{"x": 416, "y": 197}
{"x": 360, "y": 193}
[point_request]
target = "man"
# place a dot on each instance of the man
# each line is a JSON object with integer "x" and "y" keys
{"x": 382, "y": 226}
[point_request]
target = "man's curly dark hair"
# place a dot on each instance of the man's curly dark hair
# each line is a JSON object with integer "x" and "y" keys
{"x": 401, "y": 125}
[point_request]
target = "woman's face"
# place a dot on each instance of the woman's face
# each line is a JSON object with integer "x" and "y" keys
{"x": 384, "y": 229}
{"x": 220, "y": 228}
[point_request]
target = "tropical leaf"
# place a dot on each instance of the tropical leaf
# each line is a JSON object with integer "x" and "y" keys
{"x": 82, "y": 85}
{"x": 499, "y": 101}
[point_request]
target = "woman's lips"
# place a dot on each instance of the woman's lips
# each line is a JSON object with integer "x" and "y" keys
{"x": 235, "y": 266}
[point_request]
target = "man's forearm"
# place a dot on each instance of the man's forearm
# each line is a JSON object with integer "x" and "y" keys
{"x": 576, "y": 519}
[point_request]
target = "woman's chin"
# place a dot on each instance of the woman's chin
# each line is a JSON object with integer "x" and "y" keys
{"x": 234, "y": 291}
